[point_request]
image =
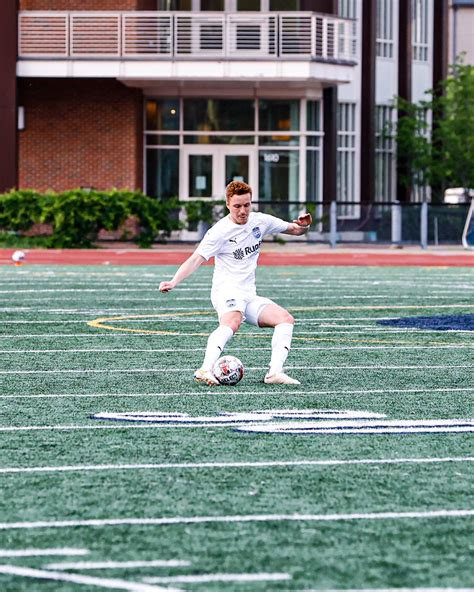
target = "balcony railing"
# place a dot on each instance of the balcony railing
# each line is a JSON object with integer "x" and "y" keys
{"x": 184, "y": 35}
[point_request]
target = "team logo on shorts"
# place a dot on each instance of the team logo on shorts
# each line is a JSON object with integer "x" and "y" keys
{"x": 238, "y": 254}
{"x": 230, "y": 303}
{"x": 257, "y": 232}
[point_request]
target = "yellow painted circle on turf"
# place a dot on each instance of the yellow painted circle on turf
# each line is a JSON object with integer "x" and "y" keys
{"x": 100, "y": 323}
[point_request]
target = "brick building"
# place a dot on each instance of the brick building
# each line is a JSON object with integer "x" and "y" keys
{"x": 177, "y": 97}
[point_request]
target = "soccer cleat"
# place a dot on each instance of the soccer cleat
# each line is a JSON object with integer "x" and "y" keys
{"x": 205, "y": 377}
{"x": 280, "y": 378}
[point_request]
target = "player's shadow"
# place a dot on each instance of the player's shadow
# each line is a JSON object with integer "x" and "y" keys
{"x": 460, "y": 322}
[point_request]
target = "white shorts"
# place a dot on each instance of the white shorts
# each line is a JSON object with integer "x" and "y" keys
{"x": 249, "y": 306}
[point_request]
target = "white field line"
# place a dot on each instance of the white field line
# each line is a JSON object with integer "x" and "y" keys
{"x": 229, "y": 349}
{"x": 67, "y": 299}
{"x": 219, "y": 577}
{"x": 55, "y": 322}
{"x": 319, "y": 294}
{"x": 390, "y": 426}
{"x": 42, "y": 552}
{"x": 203, "y": 392}
{"x": 76, "y": 290}
{"x": 109, "y": 308}
{"x": 68, "y": 335}
{"x": 387, "y": 590}
{"x": 167, "y": 319}
{"x": 110, "y": 583}
{"x": 250, "y": 518}
{"x": 173, "y": 314}
{"x": 320, "y": 297}
{"x": 152, "y": 281}
{"x": 234, "y": 465}
{"x": 122, "y": 426}
{"x": 261, "y": 335}
{"x": 117, "y": 564}
{"x": 158, "y": 370}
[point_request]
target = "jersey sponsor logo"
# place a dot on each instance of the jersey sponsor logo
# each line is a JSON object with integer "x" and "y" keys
{"x": 240, "y": 253}
{"x": 297, "y": 421}
{"x": 250, "y": 250}
{"x": 257, "y": 232}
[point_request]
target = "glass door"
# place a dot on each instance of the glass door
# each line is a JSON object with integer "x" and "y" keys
{"x": 239, "y": 163}
{"x": 200, "y": 175}
{"x": 206, "y": 170}
{"x": 198, "y": 172}
{"x": 236, "y": 168}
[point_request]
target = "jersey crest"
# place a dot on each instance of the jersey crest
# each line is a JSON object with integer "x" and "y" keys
{"x": 257, "y": 232}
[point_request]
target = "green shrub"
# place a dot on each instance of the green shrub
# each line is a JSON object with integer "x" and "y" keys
{"x": 77, "y": 216}
{"x": 200, "y": 210}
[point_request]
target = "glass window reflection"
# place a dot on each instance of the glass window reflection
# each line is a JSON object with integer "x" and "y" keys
{"x": 278, "y": 175}
{"x": 162, "y": 115}
{"x": 162, "y": 173}
{"x": 279, "y": 115}
{"x": 218, "y": 115}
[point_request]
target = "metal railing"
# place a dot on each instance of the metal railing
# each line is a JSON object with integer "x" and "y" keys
{"x": 383, "y": 223}
{"x": 169, "y": 35}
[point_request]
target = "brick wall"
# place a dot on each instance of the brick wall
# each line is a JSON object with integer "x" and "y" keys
{"x": 87, "y": 4}
{"x": 80, "y": 133}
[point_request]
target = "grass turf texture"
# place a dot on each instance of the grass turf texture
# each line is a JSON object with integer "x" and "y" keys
{"x": 345, "y": 359}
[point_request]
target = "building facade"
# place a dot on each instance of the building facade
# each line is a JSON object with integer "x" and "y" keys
{"x": 178, "y": 97}
{"x": 461, "y": 14}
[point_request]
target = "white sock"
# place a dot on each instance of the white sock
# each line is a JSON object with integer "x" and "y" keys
{"x": 281, "y": 343}
{"x": 215, "y": 345}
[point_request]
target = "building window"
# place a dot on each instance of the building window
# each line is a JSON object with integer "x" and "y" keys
{"x": 346, "y": 157}
{"x": 278, "y": 174}
{"x": 204, "y": 115}
{"x": 174, "y": 5}
{"x": 347, "y": 9}
{"x": 162, "y": 115}
{"x": 285, "y": 5}
{"x": 420, "y": 30}
{"x": 384, "y": 155}
{"x": 384, "y": 43}
{"x": 279, "y": 141}
{"x": 248, "y": 5}
{"x": 313, "y": 151}
{"x": 162, "y": 173}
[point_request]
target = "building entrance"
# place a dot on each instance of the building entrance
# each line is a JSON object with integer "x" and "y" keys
{"x": 206, "y": 170}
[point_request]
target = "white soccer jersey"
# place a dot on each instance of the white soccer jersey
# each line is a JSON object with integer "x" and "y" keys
{"x": 236, "y": 248}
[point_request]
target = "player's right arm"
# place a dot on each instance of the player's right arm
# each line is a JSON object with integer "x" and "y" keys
{"x": 186, "y": 269}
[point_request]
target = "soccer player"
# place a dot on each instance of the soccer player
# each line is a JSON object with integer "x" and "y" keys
{"x": 235, "y": 243}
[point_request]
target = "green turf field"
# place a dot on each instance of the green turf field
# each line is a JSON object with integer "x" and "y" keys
{"x": 360, "y": 478}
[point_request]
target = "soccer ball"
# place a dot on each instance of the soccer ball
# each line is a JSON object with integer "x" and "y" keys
{"x": 228, "y": 370}
{"x": 18, "y": 257}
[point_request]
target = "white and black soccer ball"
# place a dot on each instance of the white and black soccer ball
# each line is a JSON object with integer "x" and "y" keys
{"x": 228, "y": 370}
{"x": 18, "y": 257}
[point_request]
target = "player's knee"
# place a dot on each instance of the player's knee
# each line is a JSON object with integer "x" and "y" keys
{"x": 233, "y": 323}
{"x": 288, "y": 318}
{"x": 235, "y": 326}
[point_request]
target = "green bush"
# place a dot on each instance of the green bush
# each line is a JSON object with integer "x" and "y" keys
{"x": 77, "y": 216}
{"x": 199, "y": 210}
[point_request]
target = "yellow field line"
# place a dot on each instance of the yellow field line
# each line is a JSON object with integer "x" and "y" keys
{"x": 100, "y": 323}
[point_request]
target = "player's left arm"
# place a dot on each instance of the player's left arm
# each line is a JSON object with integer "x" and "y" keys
{"x": 300, "y": 226}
